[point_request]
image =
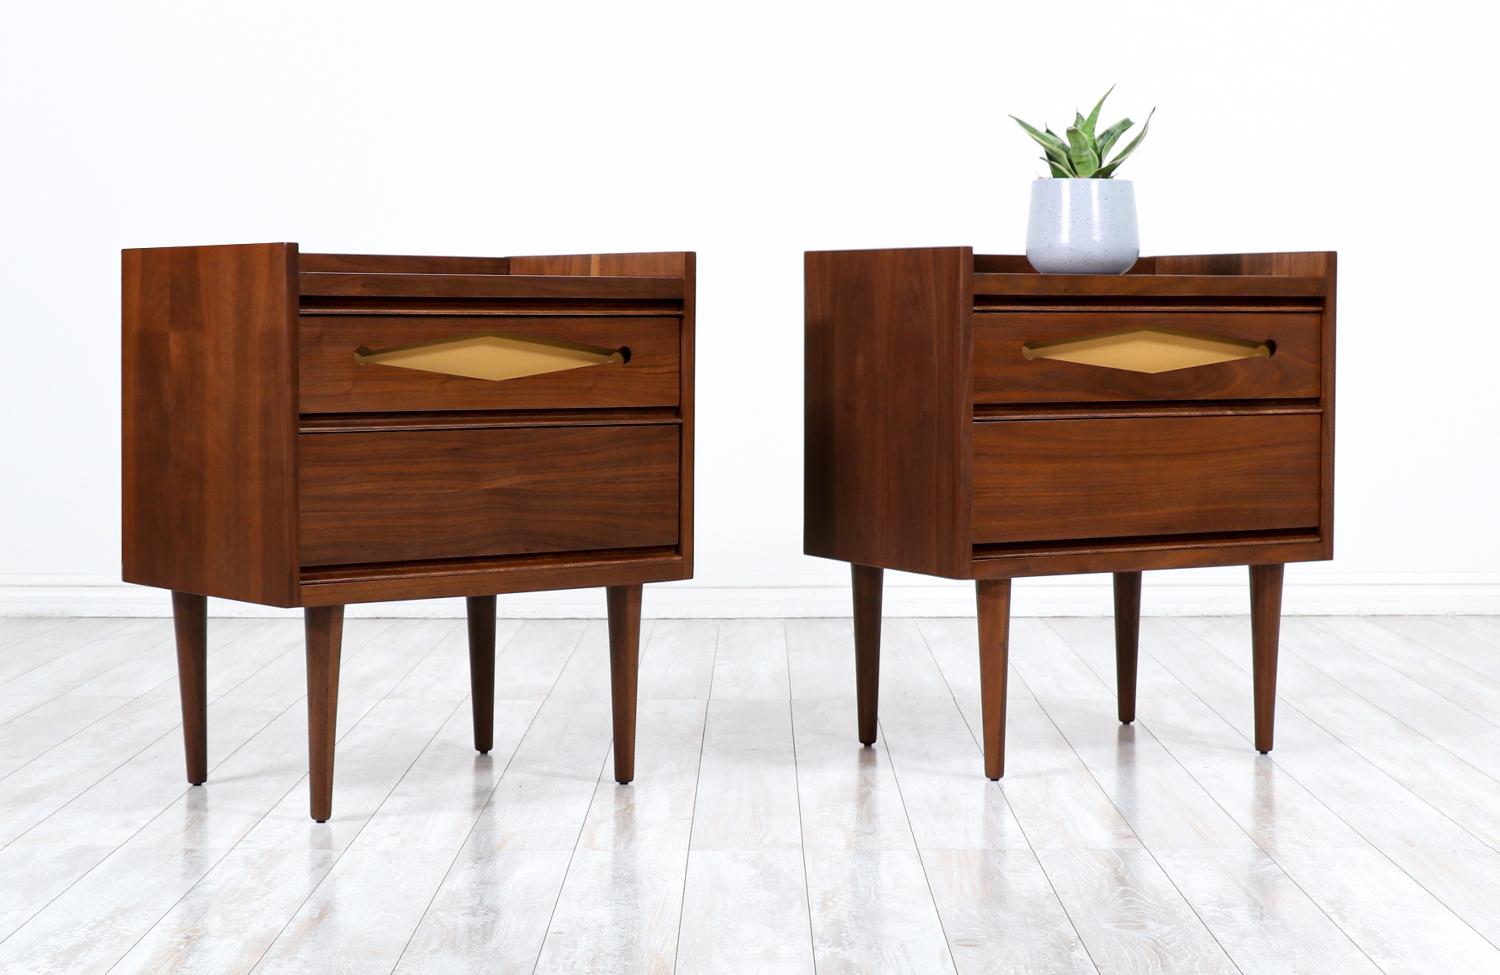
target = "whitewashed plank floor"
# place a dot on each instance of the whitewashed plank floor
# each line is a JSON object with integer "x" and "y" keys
{"x": 758, "y": 836}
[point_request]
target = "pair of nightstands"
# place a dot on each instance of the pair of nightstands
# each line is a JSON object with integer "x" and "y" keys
{"x": 314, "y": 430}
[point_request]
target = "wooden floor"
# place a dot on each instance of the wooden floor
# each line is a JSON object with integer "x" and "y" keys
{"x": 758, "y": 836}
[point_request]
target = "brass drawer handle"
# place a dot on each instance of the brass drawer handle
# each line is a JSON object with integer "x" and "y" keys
{"x": 1149, "y": 350}
{"x": 493, "y": 357}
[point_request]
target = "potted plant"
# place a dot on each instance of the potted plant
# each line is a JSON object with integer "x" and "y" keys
{"x": 1082, "y": 218}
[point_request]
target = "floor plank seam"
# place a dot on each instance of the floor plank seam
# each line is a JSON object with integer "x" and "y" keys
{"x": 499, "y": 780}
{"x": 582, "y": 822}
{"x": 1030, "y": 846}
{"x": 260, "y": 959}
{"x": 1145, "y": 726}
{"x": 693, "y": 813}
{"x": 127, "y": 703}
{"x": 1331, "y": 811}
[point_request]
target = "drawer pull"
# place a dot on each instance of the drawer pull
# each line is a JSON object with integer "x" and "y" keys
{"x": 493, "y": 357}
{"x": 1149, "y": 350}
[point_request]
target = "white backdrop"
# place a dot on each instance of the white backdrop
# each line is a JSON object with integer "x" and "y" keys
{"x": 750, "y": 133}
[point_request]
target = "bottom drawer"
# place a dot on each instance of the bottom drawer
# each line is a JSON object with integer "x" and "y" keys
{"x": 405, "y": 496}
{"x": 1116, "y": 478}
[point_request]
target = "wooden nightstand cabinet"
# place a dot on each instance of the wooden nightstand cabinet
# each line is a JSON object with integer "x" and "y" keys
{"x": 968, "y": 418}
{"x": 320, "y": 429}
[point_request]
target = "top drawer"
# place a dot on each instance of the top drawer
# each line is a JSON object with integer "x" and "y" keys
{"x": 356, "y": 363}
{"x": 1102, "y": 356}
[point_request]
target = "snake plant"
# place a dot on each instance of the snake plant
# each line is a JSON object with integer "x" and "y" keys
{"x": 1082, "y": 154}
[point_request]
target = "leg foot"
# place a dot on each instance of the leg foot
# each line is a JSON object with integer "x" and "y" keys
{"x": 1265, "y": 639}
{"x": 190, "y": 620}
{"x": 868, "y": 583}
{"x": 994, "y": 658}
{"x": 325, "y": 630}
{"x": 624, "y": 660}
{"x": 1127, "y": 640}
{"x": 481, "y": 610}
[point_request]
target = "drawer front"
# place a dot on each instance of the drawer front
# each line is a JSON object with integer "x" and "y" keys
{"x": 1095, "y": 478}
{"x": 1099, "y": 356}
{"x": 334, "y": 378}
{"x": 404, "y": 496}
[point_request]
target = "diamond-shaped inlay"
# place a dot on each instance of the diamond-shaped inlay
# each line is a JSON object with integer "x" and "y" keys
{"x": 1149, "y": 350}
{"x": 493, "y": 357}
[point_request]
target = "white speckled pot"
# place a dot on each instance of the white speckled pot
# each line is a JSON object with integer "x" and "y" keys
{"x": 1082, "y": 226}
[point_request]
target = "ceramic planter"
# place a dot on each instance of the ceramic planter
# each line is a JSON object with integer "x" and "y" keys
{"x": 1082, "y": 226}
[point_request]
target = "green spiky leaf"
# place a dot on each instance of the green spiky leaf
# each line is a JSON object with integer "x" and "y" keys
{"x": 1093, "y": 119}
{"x": 1112, "y": 134}
{"x": 1047, "y": 140}
{"x": 1059, "y": 171}
{"x": 1107, "y": 171}
{"x": 1081, "y": 153}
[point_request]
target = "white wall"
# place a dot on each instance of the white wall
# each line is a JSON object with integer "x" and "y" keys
{"x": 750, "y": 133}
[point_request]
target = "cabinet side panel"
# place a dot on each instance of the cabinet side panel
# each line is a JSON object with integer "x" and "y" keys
{"x": 209, "y": 381}
{"x": 887, "y": 454}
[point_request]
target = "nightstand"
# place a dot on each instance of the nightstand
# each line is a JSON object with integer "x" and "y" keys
{"x": 969, "y": 418}
{"x": 313, "y": 430}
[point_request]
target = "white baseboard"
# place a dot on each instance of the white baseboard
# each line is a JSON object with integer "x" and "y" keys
{"x": 1222, "y": 592}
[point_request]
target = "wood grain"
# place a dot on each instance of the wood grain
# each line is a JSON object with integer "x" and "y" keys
{"x": 332, "y": 381}
{"x": 886, "y": 438}
{"x": 190, "y": 618}
{"x": 1265, "y": 627}
{"x": 624, "y": 605}
{"x": 397, "y": 497}
{"x": 868, "y": 586}
{"x": 1127, "y": 592}
{"x": 480, "y": 612}
{"x": 325, "y": 637}
{"x": 396, "y": 285}
{"x": 993, "y": 596}
{"x": 1061, "y": 479}
{"x": 209, "y": 418}
{"x": 1002, "y": 374}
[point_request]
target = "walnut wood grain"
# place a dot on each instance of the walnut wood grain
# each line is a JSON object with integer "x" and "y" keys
{"x": 886, "y": 436}
{"x": 190, "y": 621}
{"x": 1265, "y": 639}
{"x": 993, "y": 598}
{"x": 624, "y": 606}
{"x": 324, "y": 627}
{"x": 480, "y": 611}
{"x": 209, "y": 419}
{"x": 1065, "y": 479}
{"x": 1154, "y": 285}
{"x": 332, "y": 381}
{"x": 682, "y": 265}
{"x": 1002, "y": 373}
{"x": 400, "y": 497}
{"x": 868, "y": 591}
{"x": 335, "y": 585}
{"x": 363, "y": 285}
{"x": 1127, "y": 592}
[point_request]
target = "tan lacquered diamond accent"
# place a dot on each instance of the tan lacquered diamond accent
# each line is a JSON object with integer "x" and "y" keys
{"x": 493, "y": 357}
{"x": 1148, "y": 351}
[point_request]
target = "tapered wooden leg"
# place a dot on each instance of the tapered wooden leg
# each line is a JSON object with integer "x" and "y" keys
{"x": 1127, "y": 640}
{"x": 325, "y": 632}
{"x": 1265, "y": 640}
{"x": 868, "y": 584}
{"x": 190, "y": 619}
{"x": 482, "y": 670}
{"x": 994, "y": 664}
{"x": 624, "y": 661}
